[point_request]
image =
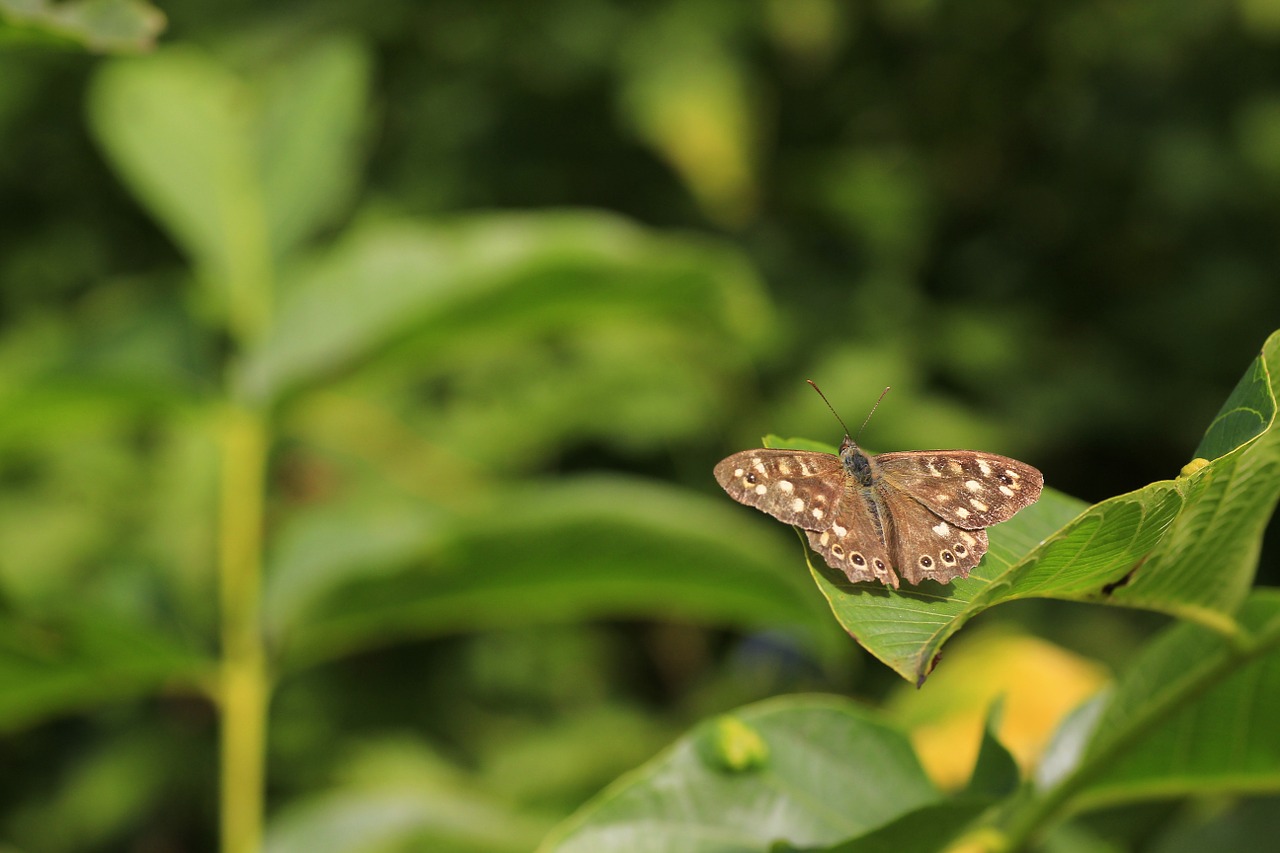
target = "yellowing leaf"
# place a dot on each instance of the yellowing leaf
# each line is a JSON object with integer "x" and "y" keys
{"x": 1039, "y": 682}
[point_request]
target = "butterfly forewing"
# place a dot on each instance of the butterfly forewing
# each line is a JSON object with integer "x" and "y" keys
{"x": 799, "y": 487}
{"x": 968, "y": 489}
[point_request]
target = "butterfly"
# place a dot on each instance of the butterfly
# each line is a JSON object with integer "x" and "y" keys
{"x": 919, "y": 514}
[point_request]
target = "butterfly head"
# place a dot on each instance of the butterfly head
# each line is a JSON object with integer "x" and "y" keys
{"x": 856, "y": 462}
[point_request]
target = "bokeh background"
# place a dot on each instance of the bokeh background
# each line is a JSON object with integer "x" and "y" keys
{"x": 502, "y": 281}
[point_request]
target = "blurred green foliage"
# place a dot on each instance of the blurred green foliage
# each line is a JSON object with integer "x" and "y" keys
{"x": 499, "y": 283}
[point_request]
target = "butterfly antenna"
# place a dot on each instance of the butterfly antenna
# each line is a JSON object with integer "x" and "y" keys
{"x": 829, "y": 406}
{"x": 840, "y": 419}
{"x": 870, "y": 413}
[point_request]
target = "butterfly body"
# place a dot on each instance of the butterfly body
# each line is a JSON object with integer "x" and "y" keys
{"x": 919, "y": 515}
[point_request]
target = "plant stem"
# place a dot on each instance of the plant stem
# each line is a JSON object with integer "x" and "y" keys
{"x": 244, "y": 690}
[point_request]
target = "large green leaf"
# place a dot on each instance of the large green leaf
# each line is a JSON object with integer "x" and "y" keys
{"x": 566, "y": 550}
{"x": 1193, "y": 714}
{"x": 451, "y": 293}
{"x": 933, "y": 827}
{"x": 48, "y": 668}
{"x": 802, "y": 771}
{"x": 1187, "y": 546}
{"x": 175, "y": 127}
{"x": 238, "y": 168}
{"x": 313, "y": 115}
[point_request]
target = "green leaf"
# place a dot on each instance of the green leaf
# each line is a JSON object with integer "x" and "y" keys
{"x": 176, "y": 126}
{"x": 1250, "y": 826}
{"x": 995, "y": 773}
{"x": 107, "y": 789}
{"x": 53, "y": 669}
{"x": 479, "y": 284}
{"x": 395, "y": 795}
{"x": 933, "y": 827}
{"x": 1188, "y": 547}
{"x": 102, "y": 26}
{"x": 1194, "y": 713}
{"x": 310, "y": 132}
{"x": 568, "y": 550}
{"x": 817, "y": 770}
{"x": 238, "y": 168}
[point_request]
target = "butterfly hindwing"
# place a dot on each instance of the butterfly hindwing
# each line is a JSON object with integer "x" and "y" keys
{"x": 924, "y": 545}
{"x": 859, "y": 552}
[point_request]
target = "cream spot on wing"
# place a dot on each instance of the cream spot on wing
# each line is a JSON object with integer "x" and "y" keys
{"x": 760, "y": 489}
{"x": 758, "y": 465}
{"x": 839, "y": 531}
{"x": 804, "y": 468}
{"x": 941, "y": 528}
{"x": 824, "y": 538}
{"x": 797, "y": 505}
{"x": 968, "y": 539}
{"x": 984, "y": 467}
{"x": 786, "y": 486}
{"x": 962, "y": 512}
{"x": 1013, "y": 474}
{"x": 942, "y": 497}
{"x": 954, "y": 467}
{"x": 738, "y": 472}
{"x": 784, "y": 467}
{"x": 932, "y": 469}
{"x": 973, "y": 485}
{"x": 978, "y": 505}
{"x": 817, "y": 513}
{"x": 1006, "y": 491}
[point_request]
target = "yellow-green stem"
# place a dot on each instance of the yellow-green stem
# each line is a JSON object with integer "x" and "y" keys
{"x": 244, "y": 689}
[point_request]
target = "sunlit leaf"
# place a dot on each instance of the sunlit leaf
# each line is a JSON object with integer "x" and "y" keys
{"x": 487, "y": 280}
{"x": 822, "y": 770}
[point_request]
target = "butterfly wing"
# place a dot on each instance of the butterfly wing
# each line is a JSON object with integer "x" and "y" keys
{"x": 925, "y": 545}
{"x": 799, "y": 487}
{"x": 965, "y": 488}
{"x": 855, "y": 549}
{"x": 813, "y": 491}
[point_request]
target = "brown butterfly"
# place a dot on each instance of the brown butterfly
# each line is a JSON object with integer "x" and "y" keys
{"x": 920, "y": 514}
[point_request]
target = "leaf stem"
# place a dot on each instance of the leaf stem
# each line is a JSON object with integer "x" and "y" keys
{"x": 244, "y": 685}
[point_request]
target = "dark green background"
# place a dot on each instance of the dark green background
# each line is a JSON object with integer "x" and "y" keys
{"x": 1051, "y": 227}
